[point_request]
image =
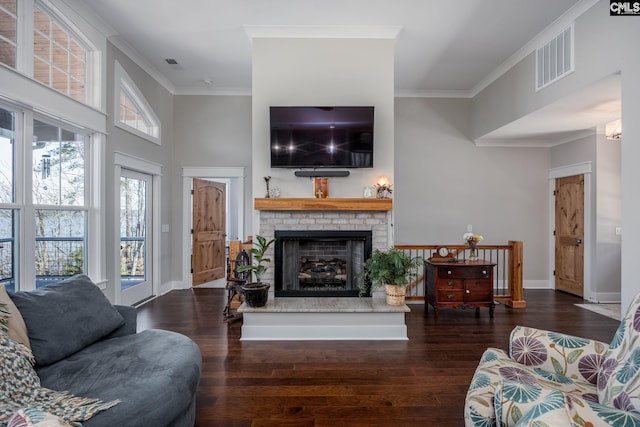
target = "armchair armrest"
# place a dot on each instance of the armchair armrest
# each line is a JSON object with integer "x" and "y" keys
{"x": 573, "y": 357}
{"x": 130, "y": 315}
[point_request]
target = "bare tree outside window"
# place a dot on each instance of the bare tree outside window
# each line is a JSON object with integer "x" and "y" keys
{"x": 133, "y": 193}
{"x": 58, "y": 182}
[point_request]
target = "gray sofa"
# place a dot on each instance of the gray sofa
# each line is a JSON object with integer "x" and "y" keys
{"x": 84, "y": 344}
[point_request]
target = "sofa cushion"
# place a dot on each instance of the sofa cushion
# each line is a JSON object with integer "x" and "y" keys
{"x": 619, "y": 373}
{"x": 153, "y": 373}
{"x": 65, "y": 317}
{"x": 16, "y": 328}
{"x": 496, "y": 367}
{"x": 522, "y": 404}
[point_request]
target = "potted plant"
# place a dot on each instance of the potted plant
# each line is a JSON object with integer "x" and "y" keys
{"x": 392, "y": 269}
{"x": 256, "y": 293}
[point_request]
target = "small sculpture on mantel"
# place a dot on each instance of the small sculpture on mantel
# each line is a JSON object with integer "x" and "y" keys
{"x": 266, "y": 180}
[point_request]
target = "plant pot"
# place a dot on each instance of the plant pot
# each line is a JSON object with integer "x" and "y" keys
{"x": 256, "y": 293}
{"x": 395, "y": 294}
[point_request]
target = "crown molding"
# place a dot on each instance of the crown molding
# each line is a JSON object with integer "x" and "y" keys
{"x": 539, "y": 40}
{"x": 135, "y": 56}
{"x": 323, "y": 31}
{"x": 532, "y": 142}
{"x": 240, "y": 91}
{"x": 407, "y": 93}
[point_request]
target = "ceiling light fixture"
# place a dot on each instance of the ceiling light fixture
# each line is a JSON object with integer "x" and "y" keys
{"x": 171, "y": 61}
{"x": 613, "y": 130}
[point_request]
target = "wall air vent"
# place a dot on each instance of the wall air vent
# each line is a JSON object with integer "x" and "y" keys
{"x": 554, "y": 60}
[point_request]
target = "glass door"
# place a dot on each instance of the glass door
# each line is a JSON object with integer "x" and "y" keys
{"x": 136, "y": 282}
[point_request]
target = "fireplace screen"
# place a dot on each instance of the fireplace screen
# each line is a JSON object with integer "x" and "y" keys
{"x": 320, "y": 263}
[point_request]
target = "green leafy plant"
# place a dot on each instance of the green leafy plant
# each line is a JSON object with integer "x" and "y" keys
{"x": 392, "y": 267}
{"x": 258, "y": 251}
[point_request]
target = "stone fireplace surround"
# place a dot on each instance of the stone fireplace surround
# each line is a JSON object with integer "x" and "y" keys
{"x": 324, "y": 318}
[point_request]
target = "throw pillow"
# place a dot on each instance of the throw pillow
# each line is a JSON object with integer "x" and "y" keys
{"x": 32, "y": 417}
{"x": 16, "y": 328}
{"x": 63, "y": 318}
{"x": 619, "y": 373}
{"x": 597, "y": 415}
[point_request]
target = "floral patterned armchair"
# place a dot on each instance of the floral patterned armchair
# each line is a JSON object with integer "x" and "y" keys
{"x": 552, "y": 379}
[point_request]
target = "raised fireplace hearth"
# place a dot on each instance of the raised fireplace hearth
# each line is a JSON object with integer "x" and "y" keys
{"x": 320, "y": 263}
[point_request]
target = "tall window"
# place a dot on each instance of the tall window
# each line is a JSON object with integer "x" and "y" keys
{"x": 47, "y": 226}
{"x": 8, "y": 32}
{"x": 8, "y": 213}
{"x": 59, "y": 177}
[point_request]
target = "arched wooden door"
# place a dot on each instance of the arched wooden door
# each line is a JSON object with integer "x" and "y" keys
{"x": 208, "y": 232}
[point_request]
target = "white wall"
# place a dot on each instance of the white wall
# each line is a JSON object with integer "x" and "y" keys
{"x": 322, "y": 72}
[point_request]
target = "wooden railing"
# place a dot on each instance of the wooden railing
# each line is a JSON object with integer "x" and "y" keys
{"x": 507, "y": 273}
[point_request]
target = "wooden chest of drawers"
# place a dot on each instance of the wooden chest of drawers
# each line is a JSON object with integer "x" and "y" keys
{"x": 463, "y": 284}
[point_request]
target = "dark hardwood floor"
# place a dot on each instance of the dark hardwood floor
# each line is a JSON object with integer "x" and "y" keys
{"x": 422, "y": 381}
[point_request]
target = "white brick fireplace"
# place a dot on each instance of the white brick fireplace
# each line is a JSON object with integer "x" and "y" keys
{"x": 325, "y": 318}
{"x": 373, "y": 215}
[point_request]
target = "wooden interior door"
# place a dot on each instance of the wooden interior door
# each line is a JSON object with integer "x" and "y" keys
{"x": 569, "y": 271}
{"x": 208, "y": 233}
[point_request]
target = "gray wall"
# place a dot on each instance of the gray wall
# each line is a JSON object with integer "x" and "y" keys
{"x": 606, "y": 208}
{"x": 211, "y": 131}
{"x": 601, "y": 49}
{"x": 608, "y": 274}
{"x": 444, "y": 182}
{"x": 322, "y": 72}
{"x": 161, "y": 101}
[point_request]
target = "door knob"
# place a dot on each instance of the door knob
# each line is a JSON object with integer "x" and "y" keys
{"x": 578, "y": 242}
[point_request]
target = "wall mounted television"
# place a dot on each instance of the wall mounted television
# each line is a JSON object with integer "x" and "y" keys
{"x": 321, "y": 137}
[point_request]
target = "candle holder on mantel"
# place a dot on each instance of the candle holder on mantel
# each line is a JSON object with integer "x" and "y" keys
{"x": 320, "y": 188}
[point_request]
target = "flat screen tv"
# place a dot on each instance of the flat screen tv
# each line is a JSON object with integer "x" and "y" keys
{"x": 321, "y": 137}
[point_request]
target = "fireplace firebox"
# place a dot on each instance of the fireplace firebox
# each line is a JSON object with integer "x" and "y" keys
{"x": 320, "y": 263}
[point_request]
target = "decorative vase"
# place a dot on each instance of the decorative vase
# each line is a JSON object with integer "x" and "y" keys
{"x": 472, "y": 252}
{"x": 256, "y": 293}
{"x": 395, "y": 294}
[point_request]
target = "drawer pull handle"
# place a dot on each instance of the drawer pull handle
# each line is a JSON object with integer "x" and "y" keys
{"x": 450, "y": 283}
{"x": 450, "y": 296}
{"x": 468, "y": 291}
{"x": 448, "y": 271}
{"x": 484, "y": 271}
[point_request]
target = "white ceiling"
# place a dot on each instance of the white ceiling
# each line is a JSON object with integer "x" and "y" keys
{"x": 442, "y": 48}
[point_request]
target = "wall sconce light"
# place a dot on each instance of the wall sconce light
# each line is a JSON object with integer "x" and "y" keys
{"x": 383, "y": 187}
{"x": 613, "y": 130}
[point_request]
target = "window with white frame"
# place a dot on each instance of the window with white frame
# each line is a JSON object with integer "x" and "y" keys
{"x": 40, "y": 42}
{"x": 59, "y": 57}
{"x": 9, "y": 213}
{"x": 54, "y": 159}
{"x": 133, "y": 112}
{"x": 8, "y": 32}
{"x": 50, "y": 159}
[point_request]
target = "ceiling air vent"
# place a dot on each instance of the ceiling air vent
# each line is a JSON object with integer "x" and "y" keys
{"x": 555, "y": 59}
